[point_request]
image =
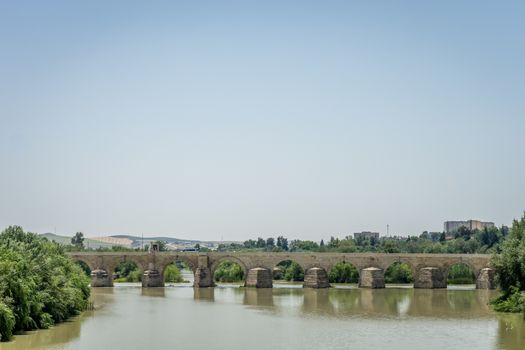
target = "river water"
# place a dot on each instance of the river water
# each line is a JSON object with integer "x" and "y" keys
{"x": 285, "y": 317}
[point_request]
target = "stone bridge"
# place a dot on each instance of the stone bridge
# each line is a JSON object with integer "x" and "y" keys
{"x": 429, "y": 270}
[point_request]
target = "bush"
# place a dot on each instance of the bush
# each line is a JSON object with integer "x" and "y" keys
{"x": 39, "y": 284}
{"x": 228, "y": 271}
{"x": 510, "y": 269}
{"x": 343, "y": 273}
{"x": 514, "y": 302}
{"x": 461, "y": 274}
{"x": 294, "y": 272}
{"x": 398, "y": 273}
{"x": 172, "y": 274}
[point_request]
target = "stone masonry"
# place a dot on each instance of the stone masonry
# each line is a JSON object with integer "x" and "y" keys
{"x": 429, "y": 270}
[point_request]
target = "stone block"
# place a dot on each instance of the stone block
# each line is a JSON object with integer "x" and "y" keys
{"x": 372, "y": 277}
{"x": 316, "y": 277}
{"x": 100, "y": 278}
{"x": 486, "y": 279}
{"x": 259, "y": 278}
{"x": 203, "y": 278}
{"x": 152, "y": 278}
{"x": 430, "y": 278}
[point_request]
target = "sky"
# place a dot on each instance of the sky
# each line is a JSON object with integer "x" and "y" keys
{"x": 233, "y": 120}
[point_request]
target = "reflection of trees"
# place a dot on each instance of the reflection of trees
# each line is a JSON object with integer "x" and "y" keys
{"x": 511, "y": 331}
{"x": 460, "y": 301}
{"x": 443, "y": 303}
{"x": 49, "y": 338}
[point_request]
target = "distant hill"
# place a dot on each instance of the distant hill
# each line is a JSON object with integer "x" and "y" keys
{"x": 90, "y": 243}
{"x": 136, "y": 242}
{"x": 173, "y": 243}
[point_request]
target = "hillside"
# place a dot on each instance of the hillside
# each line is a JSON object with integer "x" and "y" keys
{"x": 133, "y": 241}
{"x": 88, "y": 243}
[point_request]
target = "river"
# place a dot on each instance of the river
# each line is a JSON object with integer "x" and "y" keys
{"x": 285, "y": 317}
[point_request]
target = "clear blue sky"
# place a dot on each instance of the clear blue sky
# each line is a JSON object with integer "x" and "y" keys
{"x": 257, "y": 118}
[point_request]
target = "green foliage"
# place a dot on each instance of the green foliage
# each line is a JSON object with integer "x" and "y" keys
{"x": 300, "y": 246}
{"x": 343, "y": 272}
{"x": 229, "y": 271}
{"x": 290, "y": 271}
{"x": 510, "y": 269}
{"x": 127, "y": 271}
{"x": 78, "y": 240}
{"x": 514, "y": 301}
{"x": 461, "y": 274}
{"x": 464, "y": 241}
{"x": 84, "y": 267}
{"x": 7, "y": 322}
{"x": 39, "y": 284}
{"x": 399, "y": 273}
{"x": 172, "y": 274}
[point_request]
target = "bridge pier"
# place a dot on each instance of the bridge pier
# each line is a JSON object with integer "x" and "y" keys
{"x": 372, "y": 277}
{"x": 259, "y": 278}
{"x": 203, "y": 276}
{"x": 316, "y": 277}
{"x": 100, "y": 278}
{"x": 486, "y": 279}
{"x": 430, "y": 278}
{"x": 152, "y": 278}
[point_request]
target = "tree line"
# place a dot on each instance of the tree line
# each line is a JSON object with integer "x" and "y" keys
{"x": 464, "y": 241}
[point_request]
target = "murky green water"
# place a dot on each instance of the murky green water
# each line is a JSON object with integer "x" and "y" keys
{"x": 129, "y": 317}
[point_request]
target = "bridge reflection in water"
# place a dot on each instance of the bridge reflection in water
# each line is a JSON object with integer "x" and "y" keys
{"x": 182, "y": 315}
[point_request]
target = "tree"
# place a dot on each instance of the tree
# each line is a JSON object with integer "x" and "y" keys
{"x": 228, "y": 271}
{"x": 270, "y": 242}
{"x": 343, "y": 272}
{"x": 294, "y": 272}
{"x": 172, "y": 274}
{"x": 78, "y": 240}
{"x": 261, "y": 243}
{"x": 510, "y": 269}
{"x": 282, "y": 243}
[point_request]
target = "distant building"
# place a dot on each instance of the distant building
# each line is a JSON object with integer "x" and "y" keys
{"x": 366, "y": 235}
{"x": 453, "y": 226}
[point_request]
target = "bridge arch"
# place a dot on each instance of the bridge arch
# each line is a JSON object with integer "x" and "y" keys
{"x": 289, "y": 269}
{"x": 84, "y": 266}
{"x": 399, "y": 272}
{"x": 343, "y": 272}
{"x": 85, "y": 261}
{"x": 188, "y": 261}
{"x": 461, "y": 272}
{"x": 233, "y": 259}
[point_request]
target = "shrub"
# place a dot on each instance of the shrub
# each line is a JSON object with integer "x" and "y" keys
{"x": 39, "y": 284}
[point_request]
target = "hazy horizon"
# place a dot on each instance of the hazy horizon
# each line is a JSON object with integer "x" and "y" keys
{"x": 235, "y": 120}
